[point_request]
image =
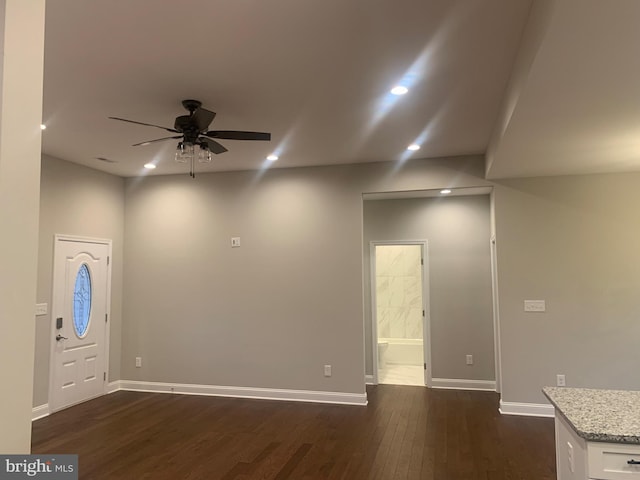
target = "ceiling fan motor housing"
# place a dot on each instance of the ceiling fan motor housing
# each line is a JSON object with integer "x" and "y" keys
{"x": 184, "y": 124}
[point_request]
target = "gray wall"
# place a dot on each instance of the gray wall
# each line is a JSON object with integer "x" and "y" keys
{"x": 76, "y": 200}
{"x": 274, "y": 311}
{"x": 575, "y": 242}
{"x": 457, "y": 230}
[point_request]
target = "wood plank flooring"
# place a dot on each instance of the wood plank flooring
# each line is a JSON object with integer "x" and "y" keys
{"x": 404, "y": 433}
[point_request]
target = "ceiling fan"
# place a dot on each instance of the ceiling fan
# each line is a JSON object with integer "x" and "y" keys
{"x": 197, "y": 141}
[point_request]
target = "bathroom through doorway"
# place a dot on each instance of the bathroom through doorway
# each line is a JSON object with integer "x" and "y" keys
{"x": 400, "y": 313}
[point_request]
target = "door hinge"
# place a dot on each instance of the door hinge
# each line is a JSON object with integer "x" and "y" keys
{"x": 106, "y": 315}
{"x": 422, "y": 261}
{"x": 425, "y": 366}
{"x": 423, "y": 313}
{"x": 108, "y": 258}
{"x": 104, "y": 377}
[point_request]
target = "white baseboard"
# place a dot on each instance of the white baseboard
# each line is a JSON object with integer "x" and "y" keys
{"x": 40, "y": 411}
{"x": 506, "y": 408}
{"x": 527, "y": 409}
{"x": 461, "y": 384}
{"x": 243, "y": 392}
{"x": 113, "y": 386}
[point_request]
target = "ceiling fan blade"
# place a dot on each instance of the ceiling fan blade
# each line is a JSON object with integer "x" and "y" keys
{"x": 156, "y": 140}
{"x": 203, "y": 117}
{"x": 214, "y": 147}
{"x": 147, "y": 124}
{"x": 237, "y": 135}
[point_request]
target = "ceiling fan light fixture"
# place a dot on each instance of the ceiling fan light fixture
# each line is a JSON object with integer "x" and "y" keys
{"x": 204, "y": 155}
{"x": 273, "y": 157}
{"x": 413, "y": 147}
{"x": 184, "y": 152}
{"x": 149, "y": 166}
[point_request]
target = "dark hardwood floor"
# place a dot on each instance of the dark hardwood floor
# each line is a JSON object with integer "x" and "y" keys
{"x": 404, "y": 433}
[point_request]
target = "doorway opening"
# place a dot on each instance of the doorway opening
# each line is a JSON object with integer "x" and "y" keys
{"x": 400, "y": 316}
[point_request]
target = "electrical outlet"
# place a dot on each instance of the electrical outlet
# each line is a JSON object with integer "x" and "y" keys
{"x": 560, "y": 381}
{"x": 469, "y": 359}
{"x": 327, "y": 370}
{"x": 138, "y": 362}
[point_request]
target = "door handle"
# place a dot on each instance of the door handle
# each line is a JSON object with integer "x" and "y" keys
{"x": 60, "y": 337}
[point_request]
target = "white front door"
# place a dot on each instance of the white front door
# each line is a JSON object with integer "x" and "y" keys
{"x": 80, "y": 328}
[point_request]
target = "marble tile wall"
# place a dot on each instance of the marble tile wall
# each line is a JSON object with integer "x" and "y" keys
{"x": 399, "y": 291}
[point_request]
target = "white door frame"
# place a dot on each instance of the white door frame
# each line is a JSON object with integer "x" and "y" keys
{"x": 426, "y": 324}
{"x": 56, "y": 308}
{"x": 496, "y": 314}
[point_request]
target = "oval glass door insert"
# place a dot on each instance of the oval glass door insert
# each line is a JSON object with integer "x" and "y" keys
{"x": 82, "y": 301}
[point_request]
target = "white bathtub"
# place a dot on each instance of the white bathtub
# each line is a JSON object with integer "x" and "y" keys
{"x": 404, "y": 351}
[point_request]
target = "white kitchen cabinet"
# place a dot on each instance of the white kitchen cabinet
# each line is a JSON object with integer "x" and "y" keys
{"x": 578, "y": 459}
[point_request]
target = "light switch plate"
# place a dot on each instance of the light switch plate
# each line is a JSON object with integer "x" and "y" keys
{"x": 41, "y": 309}
{"x": 235, "y": 242}
{"x": 535, "y": 306}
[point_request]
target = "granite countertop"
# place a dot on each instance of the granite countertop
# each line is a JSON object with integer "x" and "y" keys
{"x": 599, "y": 415}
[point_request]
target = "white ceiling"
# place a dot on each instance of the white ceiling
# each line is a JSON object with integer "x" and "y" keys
{"x": 578, "y": 106}
{"x": 314, "y": 74}
{"x": 546, "y": 87}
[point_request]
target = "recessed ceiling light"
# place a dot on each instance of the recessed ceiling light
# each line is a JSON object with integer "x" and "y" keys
{"x": 399, "y": 90}
{"x": 149, "y": 166}
{"x": 43, "y": 127}
{"x": 272, "y": 157}
{"x": 446, "y": 191}
{"x": 413, "y": 147}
